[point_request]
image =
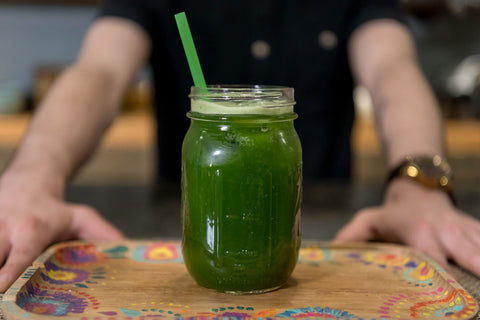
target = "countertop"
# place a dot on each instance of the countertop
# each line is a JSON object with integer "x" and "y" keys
{"x": 144, "y": 211}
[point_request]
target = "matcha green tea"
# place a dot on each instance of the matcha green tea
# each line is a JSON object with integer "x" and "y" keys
{"x": 241, "y": 188}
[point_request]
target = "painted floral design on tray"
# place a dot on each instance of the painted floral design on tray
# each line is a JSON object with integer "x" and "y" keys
{"x": 156, "y": 309}
{"x": 249, "y": 313}
{"x": 116, "y": 252}
{"x": 81, "y": 278}
{"x": 317, "y": 312}
{"x": 59, "y": 275}
{"x": 159, "y": 252}
{"x": 54, "y": 303}
{"x": 418, "y": 273}
{"x": 437, "y": 303}
{"x": 235, "y": 312}
{"x": 80, "y": 255}
{"x": 314, "y": 255}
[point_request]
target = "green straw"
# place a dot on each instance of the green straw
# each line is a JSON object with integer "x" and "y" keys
{"x": 190, "y": 51}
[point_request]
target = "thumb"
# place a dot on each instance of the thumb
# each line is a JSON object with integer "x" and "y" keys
{"x": 87, "y": 223}
{"x": 360, "y": 228}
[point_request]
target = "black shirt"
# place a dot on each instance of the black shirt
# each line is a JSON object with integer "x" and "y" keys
{"x": 298, "y": 43}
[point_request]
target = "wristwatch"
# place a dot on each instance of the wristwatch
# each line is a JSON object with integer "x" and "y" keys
{"x": 433, "y": 172}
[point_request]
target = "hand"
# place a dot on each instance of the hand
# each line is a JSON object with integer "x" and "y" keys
{"x": 423, "y": 219}
{"x": 32, "y": 218}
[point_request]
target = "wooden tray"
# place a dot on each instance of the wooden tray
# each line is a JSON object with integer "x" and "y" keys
{"x": 147, "y": 280}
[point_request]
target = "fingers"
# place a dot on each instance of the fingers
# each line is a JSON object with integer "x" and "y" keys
{"x": 26, "y": 246}
{"x": 437, "y": 254}
{"x": 5, "y": 278}
{"x": 462, "y": 248}
{"x": 32, "y": 235}
{"x": 360, "y": 228}
{"x": 474, "y": 235}
{"x": 473, "y": 228}
{"x": 4, "y": 246}
{"x": 427, "y": 243}
{"x": 88, "y": 224}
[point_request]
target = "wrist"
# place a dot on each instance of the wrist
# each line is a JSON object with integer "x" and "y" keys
{"x": 33, "y": 178}
{"x": 400, "y": 188}
{"x": 432, "y": 173}
{"x": 39, "y": 165}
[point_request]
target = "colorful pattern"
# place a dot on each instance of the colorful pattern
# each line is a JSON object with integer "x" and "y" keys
{"x": 456, "y": 304}
{"x": 314, "y": 255}
{"x": 79, "y": 255}
{"x": 117, "y": 252}
{"x": 421, "y": 273}
{"x": 66, "y": 284}
{"x": 57, "y": 303}
{"x": 58, "y": 275}
{"x": 382, "y": 260}
{"x": 451, "y": 305}
{"x": 238, "y": 312}
{"x": 317, "y": 312}
{"x": 416, "y": 273}
{"x": 158, "y": 253}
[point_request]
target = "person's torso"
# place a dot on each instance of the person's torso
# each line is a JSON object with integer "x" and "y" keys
{"x": 294, "y": 43}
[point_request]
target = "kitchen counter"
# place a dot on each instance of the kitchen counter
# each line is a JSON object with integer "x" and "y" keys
{"x": 142, "y": 211}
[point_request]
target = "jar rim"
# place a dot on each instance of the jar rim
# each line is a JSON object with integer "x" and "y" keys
{"x": 244, "y": 86}
{"x": 236, "y": 98}
{"x": 239, "y": 91}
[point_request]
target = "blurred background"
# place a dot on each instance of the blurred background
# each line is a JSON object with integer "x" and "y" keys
{"x": 40, "y": 37}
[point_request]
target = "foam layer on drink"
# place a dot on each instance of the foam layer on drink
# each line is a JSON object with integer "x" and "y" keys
{"x": 263, "y": 107}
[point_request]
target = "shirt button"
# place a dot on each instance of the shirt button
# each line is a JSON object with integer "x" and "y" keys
{"x": 260, "y": 49}
{"x": 327, "y": 39}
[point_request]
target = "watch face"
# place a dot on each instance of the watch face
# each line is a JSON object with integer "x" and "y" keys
{"x": 431, "y": 171}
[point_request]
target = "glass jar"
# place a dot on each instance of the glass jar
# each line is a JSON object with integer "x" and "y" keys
{"x": 241, "y": 188}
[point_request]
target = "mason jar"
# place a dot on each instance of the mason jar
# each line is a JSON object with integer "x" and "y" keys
{"x": 241, "y": 188}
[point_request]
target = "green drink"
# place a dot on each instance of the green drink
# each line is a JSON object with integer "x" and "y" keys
{"x": 241, "y": 188}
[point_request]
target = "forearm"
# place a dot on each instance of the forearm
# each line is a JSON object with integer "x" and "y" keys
{"x": 62, "y": 134}
{"x": 410, "y": 123}
{"x": 66, "y": 127}
{"x": 83, "y": 102}
{"x": 407, "y": 114}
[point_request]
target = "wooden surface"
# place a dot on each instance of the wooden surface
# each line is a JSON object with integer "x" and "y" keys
{"x": 147, "y": 280}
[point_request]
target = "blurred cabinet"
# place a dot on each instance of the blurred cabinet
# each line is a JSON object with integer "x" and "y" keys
{"x": 127, "y": 152}
{"x": 462, "y": 145}
{"x": 125, "y": 155}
